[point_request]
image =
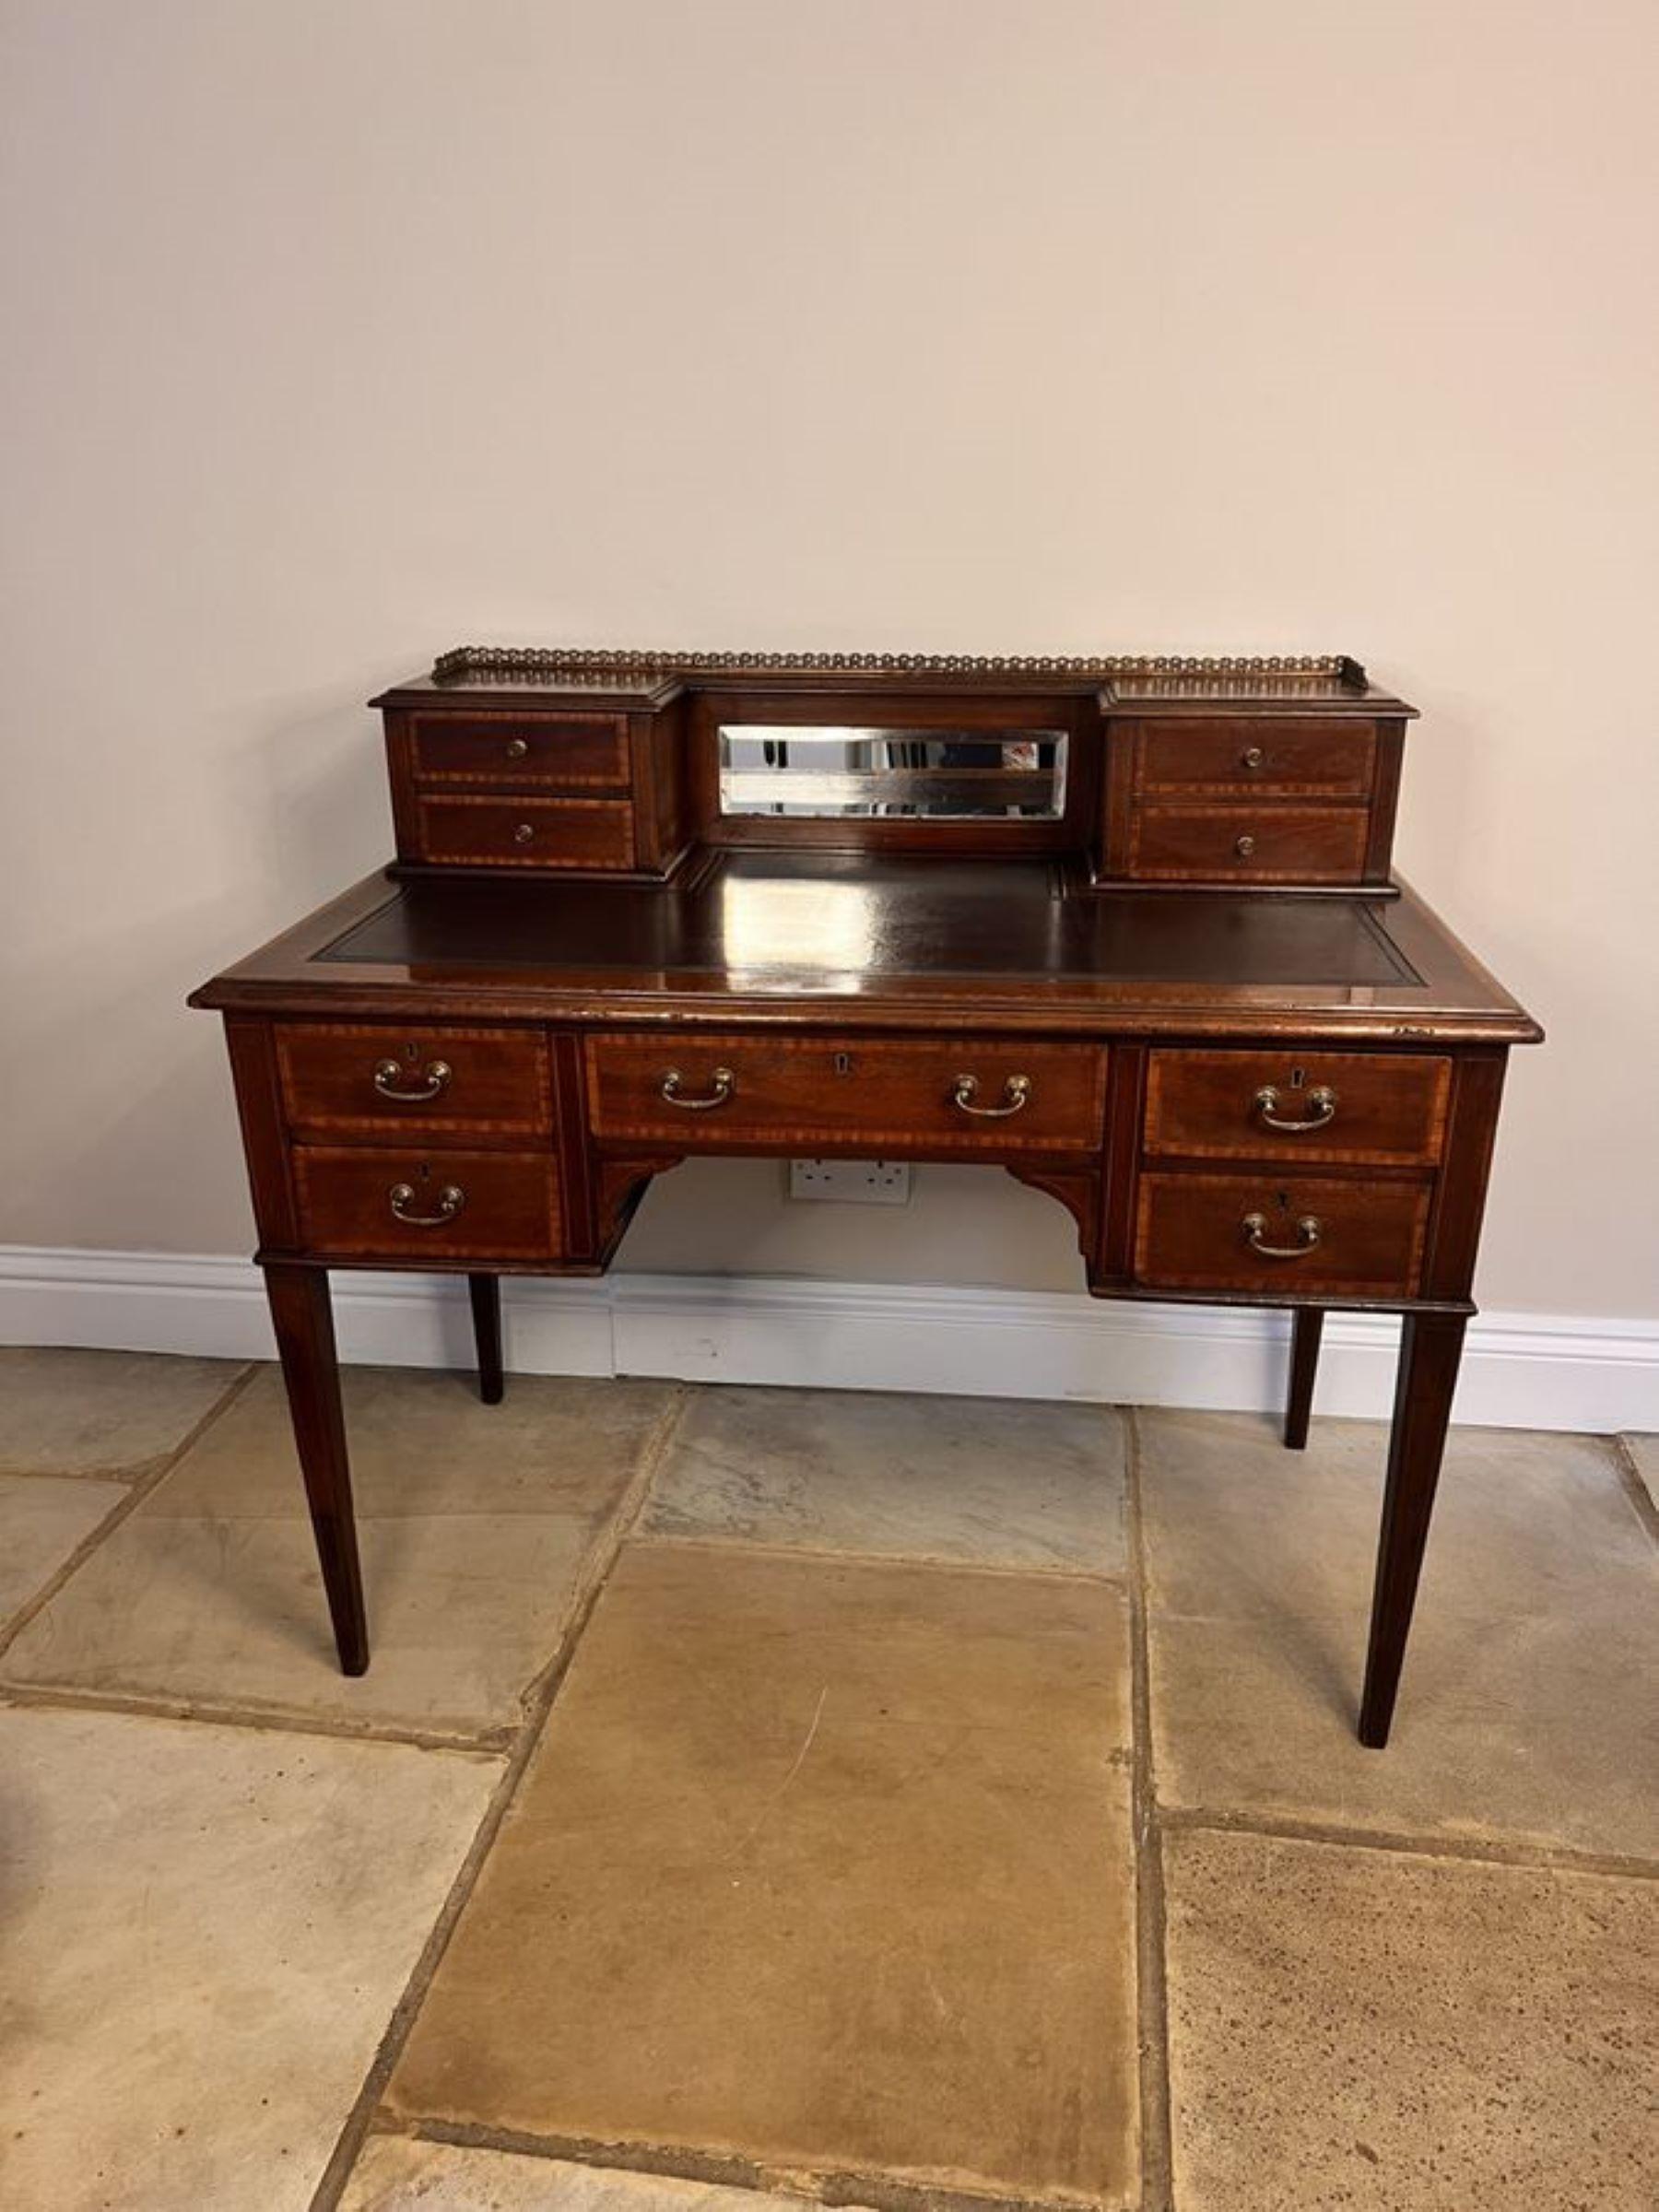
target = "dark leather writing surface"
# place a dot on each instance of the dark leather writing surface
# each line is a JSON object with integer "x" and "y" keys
{"x": 835, "y": 913}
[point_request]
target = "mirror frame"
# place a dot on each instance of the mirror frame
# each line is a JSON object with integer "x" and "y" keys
{"x": 1009, "y": 714}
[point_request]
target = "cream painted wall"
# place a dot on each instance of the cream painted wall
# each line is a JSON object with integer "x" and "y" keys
{"x": 341, "y": 331}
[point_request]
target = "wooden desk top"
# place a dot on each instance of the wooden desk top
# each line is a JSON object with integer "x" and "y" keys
{"x": 827, "y": 937}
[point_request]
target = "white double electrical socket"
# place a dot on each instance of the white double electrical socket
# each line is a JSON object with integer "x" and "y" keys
{"x": 854, "y": 1182}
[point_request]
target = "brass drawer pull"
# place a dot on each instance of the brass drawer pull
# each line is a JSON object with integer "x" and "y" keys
{"x": 450, "y": 1199}
{"x": 436, "y": 1078}
{"x": 1255, "y": 1228}
{"x": 725, "y": 1083}
{"x": 1251, "y": 757}
{"x": 523, "y": 833}
{"x": 1322, "y": 1108}
{"x": 1017, "y": 1094}
{"x": 1244, "y": 846}
{"x": 517, "y": 748}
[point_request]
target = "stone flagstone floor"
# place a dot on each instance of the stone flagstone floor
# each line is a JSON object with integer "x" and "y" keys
{"x": 762, "y": 1796}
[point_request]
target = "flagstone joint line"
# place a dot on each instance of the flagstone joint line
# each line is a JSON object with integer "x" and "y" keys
{"x": 1156, "y": 2147}
{"x": 537, "y": 1703}
{"x": 1634, "y": 1484}
{"x": 1473, "y": 1851}
{"x": 837, "y": 2186}
{"x": 909, "y": 1562}
{"x": 135, "y": 1491}
{"x": 490, "y": 1742}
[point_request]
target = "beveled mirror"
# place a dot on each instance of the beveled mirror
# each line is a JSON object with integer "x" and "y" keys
{"x": 820, "y": 772}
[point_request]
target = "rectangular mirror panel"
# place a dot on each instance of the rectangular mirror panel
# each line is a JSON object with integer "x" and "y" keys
{"x": 810, "y": 772}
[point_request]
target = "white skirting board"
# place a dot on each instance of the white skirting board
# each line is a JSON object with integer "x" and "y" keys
{"x": 1520, "y": 1370}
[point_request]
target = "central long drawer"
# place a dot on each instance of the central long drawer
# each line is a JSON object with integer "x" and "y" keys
{"x": 713, "y": 1093}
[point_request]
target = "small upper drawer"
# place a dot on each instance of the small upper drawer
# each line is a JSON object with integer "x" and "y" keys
{"x": 1270, "y": 1233}
{"x": 427, "y": 1207}
{"x": 343, "y": 1075}
{"x": 569, "y": 752}
{"x": 526, "y": 834}
{"x": 1244, "y": 844}
{"x": 1324, "y": 758}
{"x": 731, "y": 1092}
{"x": 1360, "y": 1107}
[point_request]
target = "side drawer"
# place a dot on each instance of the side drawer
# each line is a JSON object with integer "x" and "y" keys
{"x": 1352, "y": 1108}
{"x": 1351, "y": 1235}
{"x": 526, "y": 834}
{"x": 570, "y": 752}
{"x": 1314, "y": 757}
{"x": 345, "y": 1076}
{"x": 936, "y": 1094}
{"x": 1245, "y": 844}
{"x": 426, "y": 1206}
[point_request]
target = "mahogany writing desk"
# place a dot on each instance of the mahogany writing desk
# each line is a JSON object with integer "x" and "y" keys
{"x": 1124, "y": 928}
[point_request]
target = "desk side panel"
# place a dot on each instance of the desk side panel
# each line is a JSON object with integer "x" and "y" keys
{"x": 1466, "y": 1172}
{"x": 258, "y": 1079}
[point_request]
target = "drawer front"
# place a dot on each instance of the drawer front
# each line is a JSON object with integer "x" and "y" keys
{"x": 737, "y": 1092}
{"x": 347, "y": 1076}
{"x": 426, "y": 1206}
{"x": 527, "y": 833}
{"x": 1248, "y": 845}
{"x": 1322, "y": 759}
{"x": 570, "y": 752}
{"x": 1252, "y": 1233}
{"x": 1350, "y": 1107}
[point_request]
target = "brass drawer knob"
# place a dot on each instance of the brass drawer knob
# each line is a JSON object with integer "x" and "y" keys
{"x": 1322, "y": 1108}
{"x": 1244, "y": 846}
{"x": 1017, "y": 1094}
{"x": 722, "y": 1083}
{"x": 517, "y": 748}
{"x": 450, "y": 1199}
{"x": 388, "y": 1077}
{"x": 523, "y": 833}
{"x": 1251, "y": 757}
{"x": 1309, "y": 1228}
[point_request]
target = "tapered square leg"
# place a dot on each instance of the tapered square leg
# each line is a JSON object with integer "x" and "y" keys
{"x": 487, "y": 1334}
{"x": 1430, "y": 1348}
{"x": 1307, "y": 1328}
{"x": 303, "y": 1316}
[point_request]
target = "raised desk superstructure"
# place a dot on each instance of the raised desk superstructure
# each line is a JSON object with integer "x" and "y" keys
{"x": 1126, "y": 929}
